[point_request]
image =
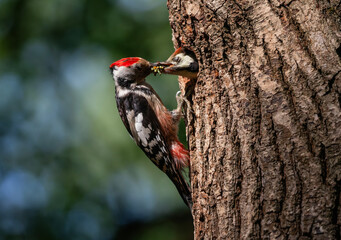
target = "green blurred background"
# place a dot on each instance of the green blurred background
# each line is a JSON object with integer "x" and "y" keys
{"x": 68, "y": 168}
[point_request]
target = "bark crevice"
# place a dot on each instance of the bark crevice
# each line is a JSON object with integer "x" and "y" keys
{"x": 265, "y": 133}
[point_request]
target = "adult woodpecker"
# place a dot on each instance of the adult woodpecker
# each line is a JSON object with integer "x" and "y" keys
{"x": 149, "y": 123}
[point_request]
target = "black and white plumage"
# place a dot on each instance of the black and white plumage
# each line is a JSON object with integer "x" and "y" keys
{"x": 151, "y": 125}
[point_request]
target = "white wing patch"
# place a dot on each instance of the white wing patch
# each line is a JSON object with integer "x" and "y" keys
{"x": 130, "y": 115}
{"x": 141, "y": 131}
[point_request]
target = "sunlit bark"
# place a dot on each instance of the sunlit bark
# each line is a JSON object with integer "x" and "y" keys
{"x": 265, "y": 122}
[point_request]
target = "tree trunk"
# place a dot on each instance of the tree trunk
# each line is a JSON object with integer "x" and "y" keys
{"x": 264, "y": 126}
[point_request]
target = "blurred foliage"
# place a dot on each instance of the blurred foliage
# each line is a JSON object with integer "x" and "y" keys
{"x": 68, "y": 169}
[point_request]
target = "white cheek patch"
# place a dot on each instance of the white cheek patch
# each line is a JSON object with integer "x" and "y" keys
{"x": 119, "y": 71}
{"x": 185, "y": 60}
{"x": 142, "y": 132}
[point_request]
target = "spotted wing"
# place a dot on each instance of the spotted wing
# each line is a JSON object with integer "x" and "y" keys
{"x": 143, "y": 125}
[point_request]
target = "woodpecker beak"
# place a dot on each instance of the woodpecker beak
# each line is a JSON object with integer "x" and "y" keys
{"x": 171, "y": 68}
{"x": 161, "y": 64}
{"x": 182, "y": 62}
{"x": 189, "y": 70}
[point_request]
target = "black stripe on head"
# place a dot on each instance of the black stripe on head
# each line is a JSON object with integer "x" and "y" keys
{"x": 123, "y": 82}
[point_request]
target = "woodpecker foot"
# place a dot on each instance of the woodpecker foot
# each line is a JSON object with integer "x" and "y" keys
{"x": 177, "y": 113}
{"x": 179, "y": 99}
{"x": 188, "y": 104}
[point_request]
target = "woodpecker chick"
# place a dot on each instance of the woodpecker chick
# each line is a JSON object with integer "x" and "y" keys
{"x": 149, "y": 123}
{"x": 182, "y": 62}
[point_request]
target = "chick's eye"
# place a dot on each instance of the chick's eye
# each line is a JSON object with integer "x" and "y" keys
{"x": 177, "y": 59}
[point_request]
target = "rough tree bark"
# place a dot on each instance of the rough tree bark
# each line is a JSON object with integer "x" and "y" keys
{"x": 264, "y": 127}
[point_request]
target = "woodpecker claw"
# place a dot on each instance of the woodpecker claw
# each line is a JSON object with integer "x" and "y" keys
{"x": 177, "y": 113}
{"x": 179, "y": 98}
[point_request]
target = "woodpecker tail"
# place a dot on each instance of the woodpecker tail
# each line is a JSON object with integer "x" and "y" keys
{"x": 181, "y": 185}
{"x": 180, "y": 155}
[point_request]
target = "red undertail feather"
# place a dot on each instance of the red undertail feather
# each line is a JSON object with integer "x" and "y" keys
{"x": 180, "y": 154}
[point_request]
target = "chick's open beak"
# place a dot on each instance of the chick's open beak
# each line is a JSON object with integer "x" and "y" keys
{"x": 161, "y": 64}
{"x": 167, "y": 67}
{"x": 183, "y": 69}
{"x": 160, "y": 67}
